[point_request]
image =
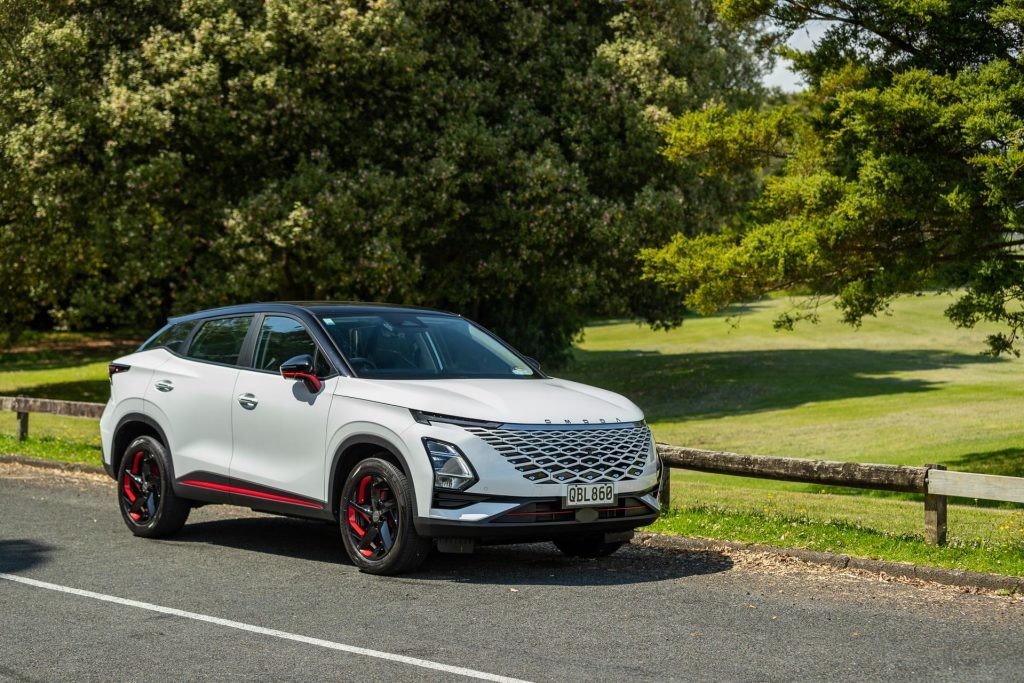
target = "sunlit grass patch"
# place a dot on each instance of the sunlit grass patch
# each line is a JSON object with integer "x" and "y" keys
{"x": 839, "y": 536}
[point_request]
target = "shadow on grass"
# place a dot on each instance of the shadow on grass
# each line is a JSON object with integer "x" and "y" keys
{"x": 95, "y": 390}
{"x": 530, "y": 564}
{"x": 1008, "y": 462}
{"x": 733, "y": 311}
{"x": 58, "y": 359}
{"x": 674, "y": 387}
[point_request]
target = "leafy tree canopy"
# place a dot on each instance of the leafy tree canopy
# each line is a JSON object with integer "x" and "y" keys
{"x": 899, "y": 169}
{"x": 499, "y": 159}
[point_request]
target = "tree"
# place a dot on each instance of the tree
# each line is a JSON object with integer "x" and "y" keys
{"x": 898, "y": 170}
{"x": 499, "y": 159}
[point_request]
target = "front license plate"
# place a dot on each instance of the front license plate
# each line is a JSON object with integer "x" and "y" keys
{"x": 589, "y": 495}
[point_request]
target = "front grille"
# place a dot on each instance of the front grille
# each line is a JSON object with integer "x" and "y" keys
{"x": 555, "y": 455}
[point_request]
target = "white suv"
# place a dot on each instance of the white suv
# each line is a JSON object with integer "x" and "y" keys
{"x": 408, "y": 427}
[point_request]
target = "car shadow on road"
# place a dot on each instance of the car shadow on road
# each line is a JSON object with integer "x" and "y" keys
{"x": 541, "y": 564}
{"x": 527, "y": 564}
{"x": 295, "y": 538}
{"x": 19, "y": 554}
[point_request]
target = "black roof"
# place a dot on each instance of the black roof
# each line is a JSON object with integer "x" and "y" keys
{"x": 317, "y": 308}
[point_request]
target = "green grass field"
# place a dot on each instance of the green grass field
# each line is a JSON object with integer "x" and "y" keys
{"x": 72, "y": 367}
{"x": 904, "y": 389}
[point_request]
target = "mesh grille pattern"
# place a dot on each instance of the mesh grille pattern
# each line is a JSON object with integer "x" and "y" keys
{"x": 572, "y": 456}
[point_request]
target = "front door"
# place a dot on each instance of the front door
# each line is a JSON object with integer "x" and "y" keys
{"x": 279, "y": 424}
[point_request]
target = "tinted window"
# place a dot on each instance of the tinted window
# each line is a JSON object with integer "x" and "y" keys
{"x": 281, "y": 339}
{"x": 220, "y": 340}
{"x": 422, "y": 346}
{"x": 171, "y": 337}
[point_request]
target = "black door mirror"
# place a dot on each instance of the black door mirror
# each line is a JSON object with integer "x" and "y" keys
{"x": 301, "y": 367}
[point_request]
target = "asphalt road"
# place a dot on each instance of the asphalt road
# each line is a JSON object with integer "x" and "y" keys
{"x": 522, "y": 612}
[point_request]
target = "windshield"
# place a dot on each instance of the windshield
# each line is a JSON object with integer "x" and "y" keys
{"x": 422, "y": 346}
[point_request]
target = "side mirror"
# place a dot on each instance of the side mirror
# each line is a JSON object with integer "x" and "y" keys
{"x": 301, "y": 367}
{"x": 534, "y": 363}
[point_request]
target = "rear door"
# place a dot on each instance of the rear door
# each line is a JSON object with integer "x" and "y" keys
{"x": 191, "y": 395}
{"x": 280, "y": 425}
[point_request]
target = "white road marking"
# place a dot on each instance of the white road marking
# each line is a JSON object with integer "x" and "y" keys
{"x": 331, "y": 645}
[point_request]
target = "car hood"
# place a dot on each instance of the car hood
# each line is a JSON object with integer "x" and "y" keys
{"x": 520, "y": 401}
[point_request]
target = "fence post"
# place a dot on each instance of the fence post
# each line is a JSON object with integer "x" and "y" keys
{"x": 935, "y": 515}
{"x": 665, "y": 487}
{"x": 23, "y": 421}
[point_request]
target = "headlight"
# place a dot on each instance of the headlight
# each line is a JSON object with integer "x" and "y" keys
{"x": 452, "y": 470}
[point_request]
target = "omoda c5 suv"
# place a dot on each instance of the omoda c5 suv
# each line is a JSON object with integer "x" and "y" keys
{"x": 407, "y": 427}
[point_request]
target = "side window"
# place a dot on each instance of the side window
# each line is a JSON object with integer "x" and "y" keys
{"x": 281, "y": 339}
{"x": 220, "y": 340}
{"x": 171, "y": 337}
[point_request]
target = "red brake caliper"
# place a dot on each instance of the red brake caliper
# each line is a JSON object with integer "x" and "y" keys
{"x": 361, "y": 499}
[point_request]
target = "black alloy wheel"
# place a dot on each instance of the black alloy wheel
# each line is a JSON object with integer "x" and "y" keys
{"x": 377, "y": 520}
{"x": 144, "y": 492}
{"x": 373, "y": 517}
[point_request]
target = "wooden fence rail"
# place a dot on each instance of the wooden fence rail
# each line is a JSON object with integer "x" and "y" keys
{"x": 934, "y": 481}
{"x": 827, "y": 472}
{"x": 23, "y": 406}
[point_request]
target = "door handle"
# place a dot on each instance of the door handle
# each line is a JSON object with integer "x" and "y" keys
{"x": 165, "y": 385}
{"x": 247, "y": 401}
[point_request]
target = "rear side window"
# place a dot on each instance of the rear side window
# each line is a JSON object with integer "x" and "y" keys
{"x": 171, "y": 337}
{"x": 220, "y": 340}
{"x": 282, "y": 339}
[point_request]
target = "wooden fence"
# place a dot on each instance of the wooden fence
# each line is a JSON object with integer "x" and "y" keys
{"x": 934, "y": 481}
{"x": 23, "y": 406}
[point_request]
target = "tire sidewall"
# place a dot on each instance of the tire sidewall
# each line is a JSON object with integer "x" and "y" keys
{"x": 402, "y": 491}
{"x": 155, "y": 449}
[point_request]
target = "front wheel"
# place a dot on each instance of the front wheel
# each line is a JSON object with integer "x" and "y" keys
{"x": 376, "y": 516}
{"x": 144, "y": 492}
{"x": 587, "y": 546}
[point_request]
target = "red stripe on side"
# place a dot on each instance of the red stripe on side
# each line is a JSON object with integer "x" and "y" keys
{"x": 250, "y": 493}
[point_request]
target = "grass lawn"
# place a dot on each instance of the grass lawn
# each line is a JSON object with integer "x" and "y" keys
{"x": 68, "y": 366}
{"x": 905, "y": 389}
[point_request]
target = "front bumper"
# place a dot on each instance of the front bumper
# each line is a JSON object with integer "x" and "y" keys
{"x": 507, "y": 520}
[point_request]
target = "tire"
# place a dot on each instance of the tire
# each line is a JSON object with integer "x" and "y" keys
{"x": 587, "y": 546}
{"x": 376, "y": 520}
{"x": 145, "y": 495}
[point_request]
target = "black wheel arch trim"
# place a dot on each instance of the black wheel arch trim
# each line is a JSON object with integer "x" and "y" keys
{"x": 111, "y": 468}
{"x": 334, "y": 493}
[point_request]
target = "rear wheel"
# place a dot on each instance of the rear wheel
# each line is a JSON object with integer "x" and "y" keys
{"x": 144, "y": 492}
{"x": 376, "y": 516}
{"x": 587, "y": 546}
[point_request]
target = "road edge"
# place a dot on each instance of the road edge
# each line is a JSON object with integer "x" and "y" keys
{"x": 52, "y": 464}
{"x": 950, "y": 577}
